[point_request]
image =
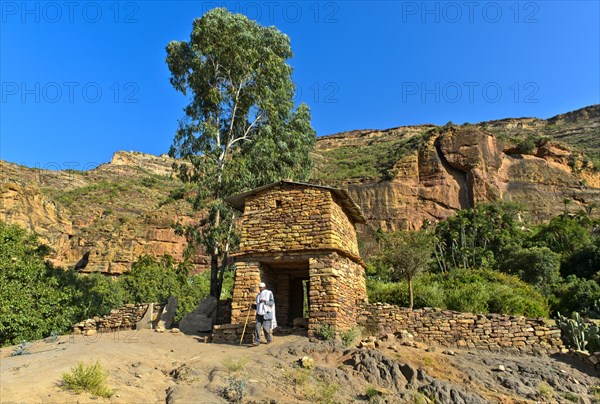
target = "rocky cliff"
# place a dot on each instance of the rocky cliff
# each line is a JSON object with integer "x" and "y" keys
{"x": 400, "y": 177}
{"x": 404, "y": 176}
{"x": 117, "y": 211}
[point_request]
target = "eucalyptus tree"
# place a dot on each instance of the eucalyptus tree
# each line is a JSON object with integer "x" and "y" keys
{"x": 241, "y": 128}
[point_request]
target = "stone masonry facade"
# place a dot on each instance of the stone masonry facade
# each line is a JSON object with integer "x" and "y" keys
{"x": 293, "y": 233}
{"x": 296, "y": 218}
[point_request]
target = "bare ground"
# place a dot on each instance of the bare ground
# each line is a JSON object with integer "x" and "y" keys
{"x": 149, "y": 367}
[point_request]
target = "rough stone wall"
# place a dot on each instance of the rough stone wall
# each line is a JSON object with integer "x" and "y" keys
{"x": 342, "y": 230}
{"x": 451, "y": 328}
{"x": 337, "y": 292}
{"x": 291, "y": 218}
{"x": 123, "y": 318}
{"x": 245, "y": 287}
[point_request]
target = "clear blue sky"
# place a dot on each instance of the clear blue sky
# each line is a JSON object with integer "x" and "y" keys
{"x": 81, "y": 80}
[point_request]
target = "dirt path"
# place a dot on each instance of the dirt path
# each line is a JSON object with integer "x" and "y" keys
{"x": 150, "y": 367}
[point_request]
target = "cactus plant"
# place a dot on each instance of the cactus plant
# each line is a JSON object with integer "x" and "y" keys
{"x": 576, "y": 333}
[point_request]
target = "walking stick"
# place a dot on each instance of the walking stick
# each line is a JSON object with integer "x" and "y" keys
{"x": 245, "y": 325}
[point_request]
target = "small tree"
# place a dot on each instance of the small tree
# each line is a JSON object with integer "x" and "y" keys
{"x": 241, "y": 129}
{"x": 406, "y": 254}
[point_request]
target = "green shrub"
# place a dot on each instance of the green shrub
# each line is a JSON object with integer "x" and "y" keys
{"x": 469, "y": 297}
{"x": 102, "y": 293}
{"x": 348, "y": 337}
{"x": 389, "y": 292}
{"x": 36, "y": 299}
{"x": 235, "y": 389}
{"x": 478, "y": 291}
{"x": 151, "y": 280}
{"x": 326, "y": 332}
{"x": 88, "y": 378}
{"x": 575, "y": 294}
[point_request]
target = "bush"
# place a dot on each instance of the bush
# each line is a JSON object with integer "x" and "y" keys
{"x": 36, "y": 299}
{"x": 326, "y": 332}
{"x": 470, "y": 297}
{"x": 102, "y": 294}
{"x": 538, "y": 266}
{"x": 575, "y": 294}
{"x": 477, "y": 291}
{"x": 389, "y": 292}
{"x": 151, "y": 280}
{"x": 88, "y": 378}
{"x": 348, "y": 337}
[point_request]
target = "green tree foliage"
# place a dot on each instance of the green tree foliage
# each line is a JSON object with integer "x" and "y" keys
{"x": 538, "y": 266}
{"x": 241, "y": 128}
{"x": 584, "y": 263}
{"x": 479, "y": 237}
{"x": 576, "y": 294}
{"x": 406, "y": 254}
{"x": 152, "y": 280}
{"x": 35, "y": 298}
{"x": 559, "y": 261}
{"x": 564, "y": 234}
{"x": 100, "y": 294}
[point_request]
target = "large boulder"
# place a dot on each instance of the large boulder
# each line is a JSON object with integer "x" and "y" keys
{"x": 202, "y": 319}
{"x": 168, "y": 313}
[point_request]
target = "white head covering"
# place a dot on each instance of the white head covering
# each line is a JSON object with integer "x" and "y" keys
{"x": 262, "y": 285}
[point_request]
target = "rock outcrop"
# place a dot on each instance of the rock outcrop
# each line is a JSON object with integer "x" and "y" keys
{"x": 456, "y": 167}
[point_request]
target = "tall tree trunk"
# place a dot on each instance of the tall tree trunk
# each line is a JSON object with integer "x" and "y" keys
{"x": 215, "y": 282}
{"x": 410, "y": 294}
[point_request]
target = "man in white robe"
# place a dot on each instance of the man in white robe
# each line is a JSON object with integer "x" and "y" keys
{"x": 265, "y": 314}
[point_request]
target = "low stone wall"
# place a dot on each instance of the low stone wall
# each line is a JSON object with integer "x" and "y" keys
{"x": 456, "y": 329}
{"x": 231, "y": 333}
{"x": 123, "y": 318}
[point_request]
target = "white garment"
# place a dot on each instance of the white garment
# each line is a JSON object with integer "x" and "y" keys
{"x": 267, "y": 306}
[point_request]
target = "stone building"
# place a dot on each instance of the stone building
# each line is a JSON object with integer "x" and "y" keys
{"x": 300, "y": 240}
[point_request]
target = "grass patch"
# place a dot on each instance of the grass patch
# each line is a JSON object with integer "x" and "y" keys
{"x": 235, "y": 366}
{"x": 87, "y": 378}
{"x": 428, "y": 361}
{"x": 545, "y": 391}
{"x": 322, "y": 392}
{"x": 572, "y": 397}
{"x": 297, "y": 376}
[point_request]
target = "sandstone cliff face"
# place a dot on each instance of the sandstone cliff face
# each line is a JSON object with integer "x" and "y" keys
{"x": 117, "y": 211}
{"x": 459, "y": 166}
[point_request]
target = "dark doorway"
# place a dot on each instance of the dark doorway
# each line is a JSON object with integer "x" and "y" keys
{"x": 299, "y": 303}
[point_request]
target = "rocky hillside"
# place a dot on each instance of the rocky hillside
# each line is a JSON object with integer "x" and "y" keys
{"x": 403, "y": 176}
{"x": 400, "y": 177}
{"x": 117, "y": 211}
